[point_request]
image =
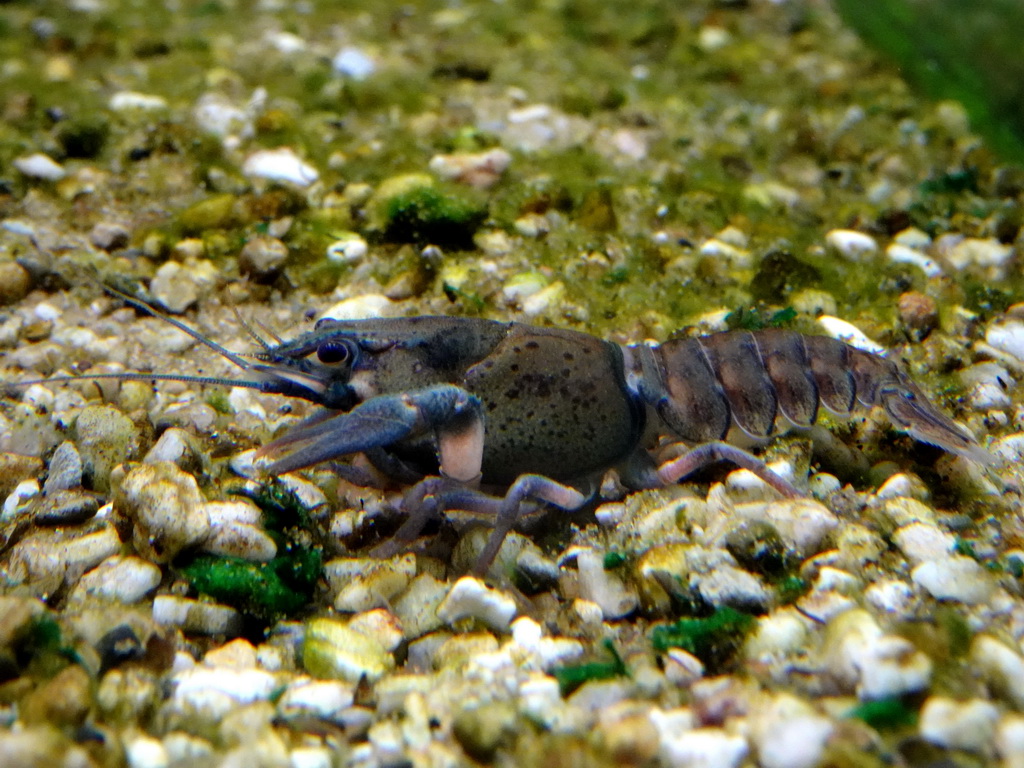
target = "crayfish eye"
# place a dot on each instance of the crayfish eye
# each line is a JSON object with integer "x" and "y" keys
{"x": 333, "y": 352}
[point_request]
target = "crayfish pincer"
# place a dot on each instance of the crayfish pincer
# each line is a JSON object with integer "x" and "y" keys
{"x": 466, "y": 407}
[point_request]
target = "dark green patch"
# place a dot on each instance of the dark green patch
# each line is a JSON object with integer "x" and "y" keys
{"x": 791, "y": 589}
{"x": 265, "y": 591}
{"x": 985, "y": 299}
{"x": 572, "y": 676}
{"x": 425, "y": 215}
{"x": 952, "y": 183}
{"x": 1015, "y": 566}
{"x": 757, "y": 318}
{"x": 713, "y": 640}
{"x": 964, "y": 547}
{"x": 613, "y": 560}
{"x": 615, "y": 276}
{"x": 268, "y": 591}
{"x": 280, "y": 505}
{"x": 778, "y": 274}
{"x": 884, "y": 714}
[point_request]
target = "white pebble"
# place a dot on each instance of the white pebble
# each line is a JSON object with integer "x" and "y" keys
{"x": 902, "y": 254}
{"x": 477, "y": 169}
{"x": 354, "y": 63}
{"x": 682, "y": 668}
{"x": 40, "y": 166}
{"x": 1000, "y": 666}
{"x": 954, "y": 578}
{"x": 703, "y": 748}
{"x": 891, "y": 667}
{"x": 912, "y": 237}
{"x": 364, "y": 307}
{"x": 322, "y": 698}
{"x": 976, "y": 251}
{"x": 19, "y": 498}
{"x": 215, "y": 114}
{"x": 968, "y": 725}
{"x": 603, "y": 587}
{"x": 854, "y": 245}
{"x": 195, "y": 616}
{"x": 1009, "y": 742}
{"x": 921, "y": 542}
{"x": 891, "y": 596}
{"x": 311, "y": 757}
{"x": 347, "y": 249}
{"x": 796, "y": 742}
{"x": 145, "y": 752}
{"x": 215, "y": 691}
{"x": 124, "y": 101}
{"x": 281, "y": 164}
{"x": 851, "y": 334}
{"x": 1009, "y": 447}
{"x": 122, "y": 579}
{"x": 1008, "y": 337}
{"x": 779, "y": 634}
{"x": 543, "y": 299}
{"x": 239, "y": 540}
{"x": 471, "y": 598}
{"x": 737, "y": 257}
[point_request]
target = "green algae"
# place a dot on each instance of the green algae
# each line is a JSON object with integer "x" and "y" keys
{"x": 572, "y": 676}
{"x": 269, "y": 591}
{"x": 714, "y": 640}
{"x": 425, "y": 215}
{"x": 885, "y": 714}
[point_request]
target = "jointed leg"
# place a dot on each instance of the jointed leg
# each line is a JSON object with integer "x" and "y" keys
{"x": 706, "y": 454}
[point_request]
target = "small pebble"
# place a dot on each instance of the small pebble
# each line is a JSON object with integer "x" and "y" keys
{"x": 212, "y": 692}
{"x": 262, "y": 258}
{"x": 178, "y": 286}
{"x": 109, "y": 236}
{"x": 1007, "y": 337}
{"x": 703, "y": 748}
{"x": 280, "y": 165}
{"x": 348, "y": 249}
{"x": 1000, "y": 666}
{"x": 363, "y": 307}
{"x": 981, "y": 252}
{"x": 840, "y": 329}
{"x": 15, "y": 282}
{"x": 354, "y": 63}
{"x": 65, "y": 469}
{"x": 124, "y": 579}
{"x": 477, "y": 169}
{"x": 969, "y": 725}
{"x": 196, "y": 616}
{"x": 854, "y": 245}
{"x": 603, "y": 587}
{"x": 955, "y": 578}
{"x": 326, "y": 699}
{"x": 146, "y": 752}
{"x": 166, "y": 509}
{"x": 918, "y": 313}
{"x": 921, "y": 542}
{"x": 471, "y": 598}
{"x": 127, "y": 101}
{"x": 40, "y": 166}
{"x": 334, "y": 651}
{"x": 901, "y": 254}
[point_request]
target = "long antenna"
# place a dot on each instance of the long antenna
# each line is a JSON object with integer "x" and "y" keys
{"x": 227, "y": 354}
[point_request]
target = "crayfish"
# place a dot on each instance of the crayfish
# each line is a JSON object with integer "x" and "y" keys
{"x": 467, "y": 405}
